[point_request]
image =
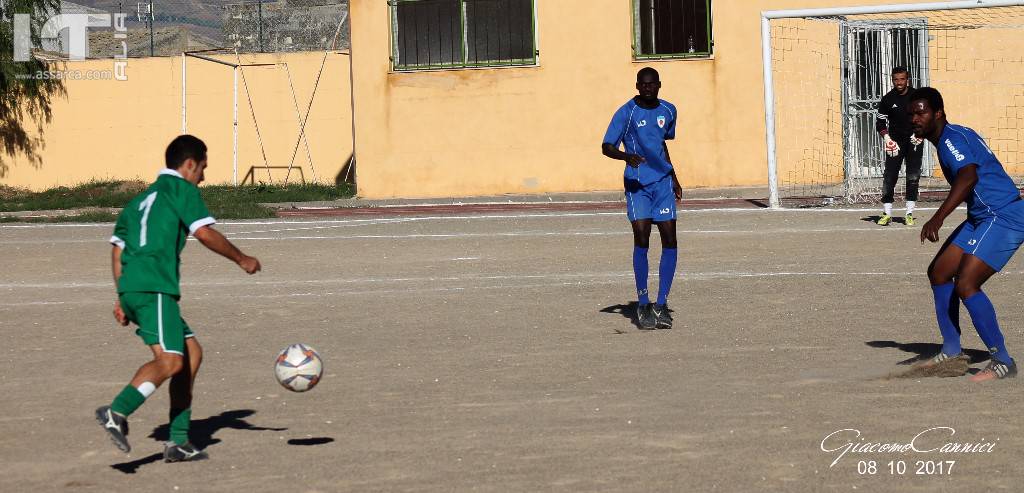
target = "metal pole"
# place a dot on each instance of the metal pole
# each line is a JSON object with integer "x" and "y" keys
{"x": 260, "y": 25}
{"x": 234, "y": 123}
{"x": 769, "y": 113}
{"x": 150, "y": 27}
{"x": 184, "y": 127}
{"x": 888, "y": 9}
{"x": 302, "y": 125}
{"x": 352, "y": 102}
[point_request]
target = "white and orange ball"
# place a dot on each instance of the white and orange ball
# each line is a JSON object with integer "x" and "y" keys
{"x": 298, "y": 368}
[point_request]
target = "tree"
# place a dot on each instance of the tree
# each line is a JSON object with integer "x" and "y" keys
{"x": 25, "y": 92}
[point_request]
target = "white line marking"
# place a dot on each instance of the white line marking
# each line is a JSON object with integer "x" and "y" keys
{"x": 684, "y": 276}
{"x": 436, "y": 284}
{"x": 242, "y": 235}
{"x": 510, "y": 215}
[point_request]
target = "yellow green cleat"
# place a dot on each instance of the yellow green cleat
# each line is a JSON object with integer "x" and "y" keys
{"x": 909, "y": 220}
{"x": 884, "y": 220}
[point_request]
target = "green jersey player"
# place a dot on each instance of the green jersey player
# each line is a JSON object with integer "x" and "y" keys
{"x": 148, "y": 239}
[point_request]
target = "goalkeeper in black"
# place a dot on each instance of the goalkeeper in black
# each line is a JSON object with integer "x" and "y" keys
{"x": 900, "y": 144}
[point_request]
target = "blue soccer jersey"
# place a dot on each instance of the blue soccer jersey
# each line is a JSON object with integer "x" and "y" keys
{"x": 959, "y": 147}
{"x": 644, "y": 133}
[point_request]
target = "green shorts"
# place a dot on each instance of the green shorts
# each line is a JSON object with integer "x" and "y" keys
{"x": 159, "y": 320}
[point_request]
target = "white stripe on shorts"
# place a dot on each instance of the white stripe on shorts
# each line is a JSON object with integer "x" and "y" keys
{"x": 160, "y": 323}
{"x": 978, "y": 245}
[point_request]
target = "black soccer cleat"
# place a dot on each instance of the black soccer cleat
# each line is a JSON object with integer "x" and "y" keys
{"x": 996, "y": 370}
{"x": 645, "y": 317}
{"x": 662, "y": 317}
{"x": 183, "y": 453}
{"x": 116, "y": 426}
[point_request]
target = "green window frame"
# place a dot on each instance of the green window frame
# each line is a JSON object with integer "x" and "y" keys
{"x": 452, "y": 34}
{"x": 665, "y": 29}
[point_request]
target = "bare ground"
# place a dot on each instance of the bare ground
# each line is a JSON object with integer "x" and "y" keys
{"x": 495, "y": 353}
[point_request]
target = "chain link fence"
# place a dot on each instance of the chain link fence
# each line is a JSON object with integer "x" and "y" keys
{"x": 169, "y": 27}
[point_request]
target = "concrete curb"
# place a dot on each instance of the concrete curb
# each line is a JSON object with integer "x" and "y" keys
{"x": 572, "y": 200}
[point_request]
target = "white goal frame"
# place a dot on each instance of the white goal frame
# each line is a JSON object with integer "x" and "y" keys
{"x": 767, "y": 16}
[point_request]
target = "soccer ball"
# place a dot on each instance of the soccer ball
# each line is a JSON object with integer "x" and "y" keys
{"x": 298, "y": 368}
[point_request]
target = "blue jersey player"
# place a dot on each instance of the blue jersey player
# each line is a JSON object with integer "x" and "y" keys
{"x": 977, "y": 248}
{"x": 642, "y": 126}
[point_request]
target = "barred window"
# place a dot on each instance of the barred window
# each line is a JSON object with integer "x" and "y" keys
{"x": 430, "y": 34}
{"x": 672, "y": 28}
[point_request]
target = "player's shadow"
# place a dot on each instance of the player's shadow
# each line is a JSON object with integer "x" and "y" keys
{"x": 200, "y": 433}
{"x": 874, "y": 219}
{"x": 133, "y": 466}
{"x": 628, "y": 311}
{"x": 925, "y": 350}
{"x": 310, "y": 441}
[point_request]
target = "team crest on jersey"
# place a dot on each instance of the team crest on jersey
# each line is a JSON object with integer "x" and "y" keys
{"x": 661, "y": 122}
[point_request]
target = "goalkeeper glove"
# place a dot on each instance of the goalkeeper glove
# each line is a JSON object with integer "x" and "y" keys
{"x": 892, "y": 149}
{"x": 915, "y": 141}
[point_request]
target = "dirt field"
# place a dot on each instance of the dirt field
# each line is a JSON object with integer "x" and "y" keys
{"x": 495, "y": 353}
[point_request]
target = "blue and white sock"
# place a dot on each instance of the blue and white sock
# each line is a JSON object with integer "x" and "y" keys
{"x": 640, "y": 273}
{"x": 983, "y": 314}
{"x": 947, "y": 312}
{"x": 666, "y": 271}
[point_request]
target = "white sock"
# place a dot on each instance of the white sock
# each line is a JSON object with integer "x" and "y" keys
{"x": 910, "y": 207}
{"x": 888, "y": 209}
{"x": 146, "y": 389}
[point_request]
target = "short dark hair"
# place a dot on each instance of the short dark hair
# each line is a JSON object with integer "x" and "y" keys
{"x": 182, "y": 148}
{"x": 900, "y": 69}
{"x": 647, "y": 71}
{"x": 931, "y": 95}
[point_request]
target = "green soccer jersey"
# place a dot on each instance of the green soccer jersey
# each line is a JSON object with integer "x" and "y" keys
{"x": 152, "y": 230}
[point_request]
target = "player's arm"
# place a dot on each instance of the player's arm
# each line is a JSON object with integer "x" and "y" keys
{"x": 118, "y": 245}
{"x": 881, "y": 118}
{"x": 892, "y": 149}
{"x": 613, "y": 137}
{"x": 962, "y": 187}
{"x": 115, "y": 263}
{"x": 212, "y": 239}
{"x": 613, "y": 152}
{"x": 677, "y": 188}
{"x": 115, "y": 268}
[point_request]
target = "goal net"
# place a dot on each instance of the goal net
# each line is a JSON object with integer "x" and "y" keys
{"x": 827, "y": 69}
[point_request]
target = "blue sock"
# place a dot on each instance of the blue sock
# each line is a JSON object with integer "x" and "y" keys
{"x": 947, "y": 311}
{"x": 983, "y": 314}
{"x": 666, "y": 271}
{"x": 640, "y": 272}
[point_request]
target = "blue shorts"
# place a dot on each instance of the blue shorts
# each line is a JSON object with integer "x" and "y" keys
{"x": 992, "y": 240}
{"x": 655, "y": 201}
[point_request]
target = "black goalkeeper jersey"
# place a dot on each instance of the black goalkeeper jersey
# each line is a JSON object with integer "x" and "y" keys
{"x": 892, "y": 114}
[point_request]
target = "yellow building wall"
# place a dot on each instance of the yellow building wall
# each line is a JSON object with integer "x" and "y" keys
{"x": 108, "y": 129}
{"x": 539, "y": 129}
{"x": 501, "y": 130}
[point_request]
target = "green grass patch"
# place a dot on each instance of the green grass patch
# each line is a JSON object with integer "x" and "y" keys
{"x": 90, "y": 194}
{"x": 224, "y": 201}
{"x": 101, "y": 216}
{"x": 242, "y": 202}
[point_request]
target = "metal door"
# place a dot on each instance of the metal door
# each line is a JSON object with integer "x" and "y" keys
{"x": 871, "y": 49}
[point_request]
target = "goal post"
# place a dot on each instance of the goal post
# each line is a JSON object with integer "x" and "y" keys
{"x": 825, "y": 69}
